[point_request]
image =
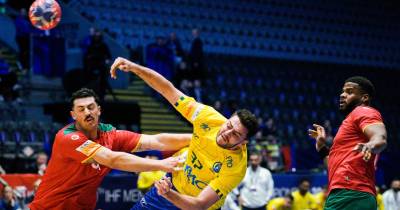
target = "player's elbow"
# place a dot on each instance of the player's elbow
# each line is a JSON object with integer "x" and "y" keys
{"x": 107, "y": 158}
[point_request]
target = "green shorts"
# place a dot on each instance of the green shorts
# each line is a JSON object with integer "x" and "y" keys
{"x": 343, "y": 199}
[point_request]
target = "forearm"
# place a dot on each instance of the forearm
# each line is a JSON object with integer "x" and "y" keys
{"x": 378, "y": 143}
{"x": 172, "y": 142}
{"x": 126, "y": 162}
{"x": 156, "y": 81}
{"x": 183, "y": 201}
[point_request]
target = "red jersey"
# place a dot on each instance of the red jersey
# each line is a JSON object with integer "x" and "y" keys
{"x": 346, "y": 168}
{"x": 70, "y": 182}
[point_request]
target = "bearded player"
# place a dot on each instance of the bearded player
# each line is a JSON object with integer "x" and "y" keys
{"x": 86, "y": 150}
{"x": 352, "y": 157}
{"x": 217, "y": 155}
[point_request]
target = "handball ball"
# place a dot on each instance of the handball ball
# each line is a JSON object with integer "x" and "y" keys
{"x": 45, "y": 14}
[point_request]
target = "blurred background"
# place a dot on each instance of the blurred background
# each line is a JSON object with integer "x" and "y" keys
{"x": 285, "y": 60}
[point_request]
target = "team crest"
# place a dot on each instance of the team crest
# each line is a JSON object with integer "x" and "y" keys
{"x": 74, "y": 137}
{"x": 217, "y": 167}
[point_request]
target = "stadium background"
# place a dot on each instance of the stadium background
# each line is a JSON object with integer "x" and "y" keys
{"x": 284, "y": 60}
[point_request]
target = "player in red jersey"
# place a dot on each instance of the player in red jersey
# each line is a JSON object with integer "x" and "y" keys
{"x": 352, "y": 157}
{"x": 86, "y": 150}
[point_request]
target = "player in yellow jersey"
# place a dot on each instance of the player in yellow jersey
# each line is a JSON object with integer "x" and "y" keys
{"x": 302, "y": 198}
{"x": 217, "y": 155}
{"x": 281, "y": 203}
{"x": 320, "y": 198}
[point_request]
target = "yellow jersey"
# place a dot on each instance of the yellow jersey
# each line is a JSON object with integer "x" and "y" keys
{"x": 303, "y": 202}
{"x": 320, "y": 200}
{"x": 379, "y": 201}
{"x": 146, "y": 179}
{"x": 208, "y": 164}
{"x": 277, "y": 204}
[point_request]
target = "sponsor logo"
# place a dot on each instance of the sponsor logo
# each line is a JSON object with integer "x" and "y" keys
{"x": 197, "y": 112}
{"x": 192, "y": 178}
{"x": 229, "y": 161}
{"x": 205, "y": 127}
{"x": 74, "y": 137}
{"x": 217, "y": 167}
{"x": 88, "y": 147}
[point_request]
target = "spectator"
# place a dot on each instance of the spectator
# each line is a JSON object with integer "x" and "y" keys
{"x": 197, "y": 91}
{"x": 8, "y": 201}
{"x": 257, "y": 186}
{"x": 275, "y": 162}
{"x": 85, "y": 43}
{"x": 39, "y": 167}
{"x": 23, "y": 31}
{"x": 174, "y": 44}
{"x": 160, "y": 58}
{"x": 96, "y": 58}
{"x": 269, "y": 128}
{"x": 196, "y": 55}
{"x": 391, "y": 198}
{"x": 302, "y": 198}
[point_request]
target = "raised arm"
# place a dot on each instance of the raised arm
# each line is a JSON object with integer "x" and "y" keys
{"x": 128, "y": 162}
{"x": 319, "y": 135}
{"x": 151, "y": 77}
{"x": 164, "y": 141}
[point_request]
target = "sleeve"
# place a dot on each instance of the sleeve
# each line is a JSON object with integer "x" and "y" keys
{"x": 126, "y": 141}
{"x": 194, "y": 111}
{"x": 76, "y": 146}
{"x": 366, "y": 116}
{"x": 229, "y": 177}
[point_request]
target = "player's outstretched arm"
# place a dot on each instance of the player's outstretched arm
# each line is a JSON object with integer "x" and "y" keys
{"x": 376, "y": 133}
{"x": 203, "y": 201}
{"x": 151, "y": 77}
{"x": 128, "y": 162}
{"x": 164, "y": 141}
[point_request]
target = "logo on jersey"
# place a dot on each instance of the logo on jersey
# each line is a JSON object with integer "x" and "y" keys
{"x": 205, "y": 127}
{"x": 229, "y": 161}
{"x": 74, "y": 137}
{"x": 197, "y": 112}
{"x": 217, "y": 167}
{"x": 192, "y": 178}
{"x": 88, "y": 147}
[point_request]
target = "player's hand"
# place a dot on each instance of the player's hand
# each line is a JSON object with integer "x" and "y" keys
{"x": 122, "y": 64}
{"x": 319, "y": 135}
{"x": 171, "y": 164}
{"x": 163, "y": 186}
{"x": 365, "y": 149}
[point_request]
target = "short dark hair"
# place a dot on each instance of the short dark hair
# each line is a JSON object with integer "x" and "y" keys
{"x": 84, "y": 93}
{"x": 249, "y": 120}
{"x": 365, "y": 84}
{"x": 302, "y": 180}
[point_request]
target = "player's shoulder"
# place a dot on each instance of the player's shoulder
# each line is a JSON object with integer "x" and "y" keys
{"x": 365, "y": 110}
{"x": 69, "y": 132}
{"x": 103, "y": 127}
